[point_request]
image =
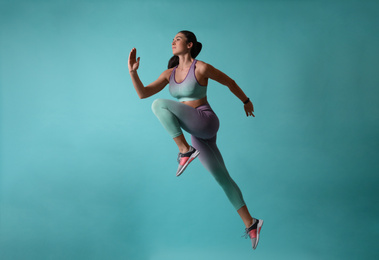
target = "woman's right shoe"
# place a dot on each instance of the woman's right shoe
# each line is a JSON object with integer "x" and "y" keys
{"x": 185, "y": 158}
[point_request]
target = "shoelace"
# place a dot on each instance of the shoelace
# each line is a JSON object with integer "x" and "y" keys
{"x": 246, "y": 233}
{"x": 247, "y": 230}
{"x": 181, "y": 154}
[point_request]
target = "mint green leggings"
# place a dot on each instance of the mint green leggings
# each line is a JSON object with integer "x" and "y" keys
{"x": 202, "y": 123}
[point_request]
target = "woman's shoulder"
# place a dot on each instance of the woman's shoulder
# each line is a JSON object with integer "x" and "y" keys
{"x": 200, "y": 63}
{"x": 167, "y": 73}
{"x": 202, "y": 66}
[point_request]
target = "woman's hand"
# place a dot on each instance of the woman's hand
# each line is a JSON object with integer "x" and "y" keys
{"x": 133, "y": 63}
{"x": 249, "y": 109}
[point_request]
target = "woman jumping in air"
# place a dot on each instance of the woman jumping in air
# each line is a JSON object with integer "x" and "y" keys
{"x": 188, "y": 80}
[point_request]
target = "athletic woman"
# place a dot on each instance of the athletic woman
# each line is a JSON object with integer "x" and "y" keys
{"x": 188, "y": 80}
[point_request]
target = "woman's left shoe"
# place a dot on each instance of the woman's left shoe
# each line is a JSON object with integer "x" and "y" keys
{"x": 253, "y": 232}
{"x": 185, "y": 158}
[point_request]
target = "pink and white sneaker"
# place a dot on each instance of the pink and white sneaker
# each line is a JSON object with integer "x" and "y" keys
{"x": 185, "y": 158}
{"x": 253, "y": 232}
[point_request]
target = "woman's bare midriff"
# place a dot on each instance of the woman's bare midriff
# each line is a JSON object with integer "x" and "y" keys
{"x": 196, "y": 103}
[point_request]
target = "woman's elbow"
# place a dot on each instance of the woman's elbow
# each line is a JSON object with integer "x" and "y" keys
{"x": 144, "y": 95}
{"x": 141, "y": 96}
{"x": 231, "y": 84}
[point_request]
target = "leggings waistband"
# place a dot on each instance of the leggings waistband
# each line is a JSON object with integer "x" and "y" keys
{"x": 204, "y": 107}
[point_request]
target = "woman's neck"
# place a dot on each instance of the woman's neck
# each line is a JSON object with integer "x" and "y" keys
{"x": 185, "y": 61}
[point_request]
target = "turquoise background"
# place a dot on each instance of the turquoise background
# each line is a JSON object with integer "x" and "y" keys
{"x": 87, "y": 171}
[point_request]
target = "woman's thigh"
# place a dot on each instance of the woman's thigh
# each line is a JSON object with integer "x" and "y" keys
{"x": 200, "y": 122}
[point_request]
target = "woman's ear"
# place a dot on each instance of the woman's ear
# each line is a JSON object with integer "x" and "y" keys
{"x": 189, "y": 45}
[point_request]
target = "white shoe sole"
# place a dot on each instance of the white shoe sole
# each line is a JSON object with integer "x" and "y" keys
{"x": 259, "y": 226}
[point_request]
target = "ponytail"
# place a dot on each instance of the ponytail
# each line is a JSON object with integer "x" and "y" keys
{"x": 173, "y": 62}
{"x": 195, "y": 50}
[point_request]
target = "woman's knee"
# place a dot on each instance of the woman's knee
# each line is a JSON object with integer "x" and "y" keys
{"x": 157, "y": 105}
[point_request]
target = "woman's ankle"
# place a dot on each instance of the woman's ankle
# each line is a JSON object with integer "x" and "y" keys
{"x": 184, "y": 149}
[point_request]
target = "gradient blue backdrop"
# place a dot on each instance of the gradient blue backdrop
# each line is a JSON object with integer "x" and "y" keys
{"x": 87, "y": 171}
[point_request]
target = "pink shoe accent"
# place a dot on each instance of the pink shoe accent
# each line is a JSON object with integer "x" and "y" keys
{"x": 183, "y": 161}
{"x": 253, "y": 233}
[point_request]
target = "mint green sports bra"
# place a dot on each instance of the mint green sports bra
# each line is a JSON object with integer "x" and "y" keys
{"x": 189, "y": 89}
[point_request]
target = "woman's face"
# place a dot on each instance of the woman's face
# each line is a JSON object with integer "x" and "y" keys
{"x": 179, "y": 44}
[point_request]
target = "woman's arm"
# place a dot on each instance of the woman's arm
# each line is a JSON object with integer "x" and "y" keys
{"x": 217, "y": 75}
{"x": 151, "y": 89}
